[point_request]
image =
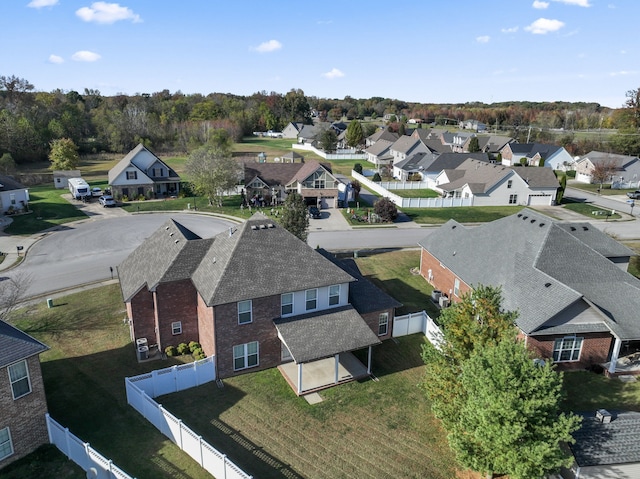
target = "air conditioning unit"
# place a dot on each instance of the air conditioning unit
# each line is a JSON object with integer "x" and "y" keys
{"x": 444, "y": 302}
{"x": 435, "y": 295}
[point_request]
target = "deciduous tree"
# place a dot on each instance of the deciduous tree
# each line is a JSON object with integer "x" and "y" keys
{"x": 474, "y": 145}
{"x": 328, "y": 140}
{"x": 7, "y": 164}
{"x": 602, "y": 171}
{"x": 13, "y": 291}
{"x": 295, "y": 217}
{"x": 386, "y": 210}
{"x": 212, "y": 171}
{"x": 64, "y": 154}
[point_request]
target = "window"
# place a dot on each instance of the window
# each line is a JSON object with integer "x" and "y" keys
{"x": 311, "y": 296}
{"x": 383, "y": 324}
{"x": 509, "y": 183}
{"x": 318, "y": 184}
{"x": 567, "y": 349}
{"x": 286, "y": 304}
{"x": 153, "y": 172}
{"x": 12, "y": 198}
{"x": 6, "y": 448}
{"x": 513, "y": 199}
{"x": 19, "y": 378}
{"x": 244, "y": 312}
{"x": 176, "y": 327}
{"x": 334, "y": 294}
{"x": 245, "y": 356}
{"x": 132, "y": 175}
{"x": 456, "y": 287}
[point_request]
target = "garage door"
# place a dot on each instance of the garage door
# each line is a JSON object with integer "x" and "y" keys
{"x": 540, "y": 200}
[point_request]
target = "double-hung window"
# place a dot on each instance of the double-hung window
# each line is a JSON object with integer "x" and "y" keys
{"x": 244, "y": 312}
{"x": 567, "y": 349}
{"x": 383, "y": 324}
{"x": 513, "y": 199}
{"x": 286, "y": 304}
{"x": 176, "y": 328}
{"x": 245, "y": 356}
{"x": 6, "y": 447}
{"x": 311, "y": 297}
{"x": 19, "y": 379}
{"x": 334, "y": 295}
{"x": 132, "y": 175}
{"x": 456, "y": 287}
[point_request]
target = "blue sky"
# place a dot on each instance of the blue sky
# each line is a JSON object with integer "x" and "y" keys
{"x": 429, "y": 51}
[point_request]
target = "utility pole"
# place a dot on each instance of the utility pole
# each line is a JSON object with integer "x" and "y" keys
{"x": 529, "y": 134}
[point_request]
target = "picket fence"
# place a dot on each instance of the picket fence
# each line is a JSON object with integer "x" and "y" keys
{"x": 143, "y": 388}
{"x": 90, "y": 460}
{"x": 420, "y": 322}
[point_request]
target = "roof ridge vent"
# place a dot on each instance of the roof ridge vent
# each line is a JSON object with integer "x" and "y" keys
{"x": 254, "y": 227}
{"x": 263, "y": 226}
{"x": 270, "y": 225}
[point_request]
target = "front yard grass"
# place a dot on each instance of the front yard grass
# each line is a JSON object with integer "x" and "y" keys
{"x": 462, "y": 214}
{"x": 588, "y": 209}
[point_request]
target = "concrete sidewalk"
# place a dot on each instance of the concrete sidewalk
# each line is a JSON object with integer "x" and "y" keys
{"x": 13, "y": 247}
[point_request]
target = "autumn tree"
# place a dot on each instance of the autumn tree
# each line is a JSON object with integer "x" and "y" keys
{"x": 510, "y": 419}
{"x": 64, "y": 154}
{"x": 602, "y": 171}
{"x": 354, "y": 134}
{"x": 213, "y": 172}
{"x": 386, "y": 210}
{"x": 295, "y": 217}
{"x": 633, "y": 106}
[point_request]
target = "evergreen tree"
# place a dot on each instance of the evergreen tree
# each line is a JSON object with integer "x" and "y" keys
{"x": 295, "y": 218}
{"x": 354, "y": 134}
{"x": 328, "y": 140}
{"x": 474, "y": 145}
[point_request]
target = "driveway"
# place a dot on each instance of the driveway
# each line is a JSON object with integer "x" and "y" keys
{"x": 94, "y": 209}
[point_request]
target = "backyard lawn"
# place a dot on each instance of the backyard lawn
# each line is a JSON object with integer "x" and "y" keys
{"x": 462, "y": 214}
{"x": 421, "y": 193}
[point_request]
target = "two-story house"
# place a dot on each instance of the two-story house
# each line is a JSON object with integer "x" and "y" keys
{"x": 254, "y": 297}
{"x": 142, "y": 174}
{"x": 23, "y": 404}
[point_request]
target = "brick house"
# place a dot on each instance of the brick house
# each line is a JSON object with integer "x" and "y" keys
{"x": 568, "y": 282}
{"x": 254, "y": 297}
{"x": 141, "y": 173}
{"x": 23, "y": 404}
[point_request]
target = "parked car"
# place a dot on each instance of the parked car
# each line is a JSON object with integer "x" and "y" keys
{"x": 107, "y": 201}
{"x": 634, "y": 195}
{"x": 314, "y": 212}
{"x": 96, "y": 192}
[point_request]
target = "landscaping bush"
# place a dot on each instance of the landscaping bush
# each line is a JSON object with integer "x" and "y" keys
{"x": 571, "y": 174}
{"x": 183, "y": 348}
{"x": 193, "y": 345}
{"x": 171, "y": 351}
{"x": 357, "y": 168}
{"x": 376, "y": 177}
{"x": 386, "y": 210}
{"x": 198, "y": 354}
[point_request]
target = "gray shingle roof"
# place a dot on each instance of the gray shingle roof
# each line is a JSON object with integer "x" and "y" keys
{"x": 620, "y": 161}
{"x": 530, "y": 149}
{"x": 550, "y": 276}
{"x": 479, "y": 175}
{"x": 405, "y": 144}
{"x": 537, "y": 177}
{"x": 324, "y": 334}
{"x": 599, "y": 444}
{"x": 8, "y": 183}
{"x": 379, "y": 147}
{"x": 16, "y": 345}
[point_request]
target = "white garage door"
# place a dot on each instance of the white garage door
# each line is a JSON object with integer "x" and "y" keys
{"x": 539, "y": 200}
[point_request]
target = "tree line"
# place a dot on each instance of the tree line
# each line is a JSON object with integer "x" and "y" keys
{"x": 30, "y": 120}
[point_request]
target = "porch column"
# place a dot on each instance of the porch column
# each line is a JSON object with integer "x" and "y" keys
{"x": 369, "y": 361}
{"x": 337, "y": 367}
{"x": 300, "y": 378}
{"x": 614, "y": 356}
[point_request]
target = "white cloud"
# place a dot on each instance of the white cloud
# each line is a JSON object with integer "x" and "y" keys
{"x": 540, "y": 5}
{"x": 270, "y": 46}
{"x": 579, "y": 3}
{"x": 621, "y": 73}
{"x": 42, "y": 3}
{"x": 509, "y": 30}
{"x": 544, "y": 25}
{"x": 103, "y": 12}
{"x": 85, "y": 56}
{"x": 334, "y": 73}
{"x": 483, "y": 39}
{"x": 55, "y": 59}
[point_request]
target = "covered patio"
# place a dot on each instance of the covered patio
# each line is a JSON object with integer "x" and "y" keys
{"x": 320, "y": 346}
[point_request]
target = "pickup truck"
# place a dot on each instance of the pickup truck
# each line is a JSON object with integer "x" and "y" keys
{"x": 634, "y": 195}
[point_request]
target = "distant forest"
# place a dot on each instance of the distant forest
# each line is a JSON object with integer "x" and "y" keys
{"x": 177, "y": 122}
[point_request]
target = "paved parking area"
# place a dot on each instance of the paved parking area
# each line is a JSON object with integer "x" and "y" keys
{"x": 95, "y": 210}
{"x": 331, "y": 220}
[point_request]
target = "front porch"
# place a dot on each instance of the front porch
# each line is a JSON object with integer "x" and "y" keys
{"x": 322, "y": 374}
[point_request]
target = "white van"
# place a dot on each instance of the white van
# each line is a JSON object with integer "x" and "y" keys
{"x": 79, "y": 188}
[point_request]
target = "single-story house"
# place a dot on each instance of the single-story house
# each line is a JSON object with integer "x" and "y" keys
{"x": 14, "y": 197}
{"x": 606, "y": 446}
{"x": 61, "y": 177}
{"x": 625, "y": 168}
{"x": 255, "y": 297}
{"x": 576, "y": 303}
{"x": 141, "y": 173}
{"x": 493, "y": 185}
{"x": 430, "y": 165}
{"x": 555, "y": 157}
{"x": 379, "y": 154}
{"x": 23, "y": 404}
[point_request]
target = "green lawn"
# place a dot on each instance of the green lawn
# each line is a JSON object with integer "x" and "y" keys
{"x": 588, "y": 209}
{"x": 463, "y": 214}
{"x": 46, "y": 462}
{"x": 593, "y": 188}
{"x": 421, "y": 193}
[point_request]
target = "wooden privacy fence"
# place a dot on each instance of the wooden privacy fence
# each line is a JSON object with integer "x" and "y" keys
{"x": 90, "y": 460}
{"x": 143, "y": 388}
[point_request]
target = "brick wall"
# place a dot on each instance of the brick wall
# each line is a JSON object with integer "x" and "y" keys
{"x": 229, "y": 333}
{"x": 372, "y": 320}
{"x": 206, "y": 328}
{"x": 442, "y": 278}
{"x": 176, "y": 301}
{"x": 24, "y": 416}
{"x": 141, "y": 311}
{"x": 596, "y": 348}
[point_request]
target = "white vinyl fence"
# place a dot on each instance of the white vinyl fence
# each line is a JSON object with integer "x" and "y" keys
{"x": 90, "y": 460}
{"x": 143, "y": 388}
{"x": 340, "y": 154}
{"x": 417, "y": 323}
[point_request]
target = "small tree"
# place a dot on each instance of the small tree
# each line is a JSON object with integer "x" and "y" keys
{"x": 386, "y": 210}
{"x": 356, "y": 187}
{"x": 64, "y": 154}
{"x": 213, "y": 171}
{"x": 354, "y": 134}
{"x": 357, "y": 168}
{"x": 7, "y": 164}
{"x": 13, "y": 291}
{"x": 602, "y": 171}
{"x": 295, "y": 218}
{"x": 328, "y": 140}
{"x": 474, "y": 145}
{"x": 561, "y": 188}
{"x": 523, "y": 161}
{"x": 376, "y": 177}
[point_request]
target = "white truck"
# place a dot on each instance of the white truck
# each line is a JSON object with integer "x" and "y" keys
{"x": 79, "y": 188}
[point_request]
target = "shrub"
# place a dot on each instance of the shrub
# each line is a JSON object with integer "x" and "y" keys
{"x": 376, "y": 177}
{"x": 414, "y": 177}
{"x": 183, "y": 348}
{"x": 141, "y": 197}
{"x": 357, "y": 168}
{"x": 571, "y": 173}
{"x": 171, "y": 351}
{"x": 193, "y": 345}
{"x": 198, "y": 354}
{"x": 125, "y": 198}
{"x": 386, "y": 210}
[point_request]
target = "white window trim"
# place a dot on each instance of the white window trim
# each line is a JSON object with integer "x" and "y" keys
{"x": 456, "y": 287}
{"x": 245, "y": 355}
{"x": 176, "y": 328}
{"x": 13, "y": 382}
{"x": 509, "y": 183}
{"x": 283, "y": 304}
{"x": 514, "y": 198}
{"x": 334, "y": 295}
{"x": 306, "y": 299}
{"x": 244, "y": 312}
{"x": 560, "y": 349}
{"x": 8, "y": 441}
{"x": 383, "y": 319}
